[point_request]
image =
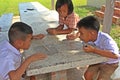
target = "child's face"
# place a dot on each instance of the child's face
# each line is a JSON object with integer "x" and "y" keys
{"x": 86, "y": 35}
{"x": 27, "y": 42}
{"x": 63, "y": 10}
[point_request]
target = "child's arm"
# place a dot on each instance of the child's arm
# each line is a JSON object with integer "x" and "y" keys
{"x": 16, "y": 74}
{"x": 53, "y": 30}
{"x": 60, "y": 31}
{"x": 105, "y": 53}
{"x": 38, "y": 36}
{"x": 60, "y": 27}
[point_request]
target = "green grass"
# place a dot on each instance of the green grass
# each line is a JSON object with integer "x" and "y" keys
{"x": 7, "y": 6}
{"x": 84, "y": 10}
{"x": 115, "y": 33}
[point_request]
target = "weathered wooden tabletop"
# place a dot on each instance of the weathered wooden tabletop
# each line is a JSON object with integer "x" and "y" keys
{"x": 62, "y": 54}
{"x": 38, "y": 16}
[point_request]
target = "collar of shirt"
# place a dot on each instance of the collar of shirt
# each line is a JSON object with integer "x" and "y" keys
{"x": 97, "y": 40}
{"x": 10, "y": 47}
{"x": 69, "y": 15}
{"x": 98, "y": 37}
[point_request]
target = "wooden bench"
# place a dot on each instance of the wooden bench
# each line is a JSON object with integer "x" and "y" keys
{"x": 5, "y": 22}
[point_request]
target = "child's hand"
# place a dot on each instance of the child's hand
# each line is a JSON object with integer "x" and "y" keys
{"x": 60, "y": 27}
{"x": 89, "y": 48}
{"x": 52, "y": 31}
{"x": 37, "y": 56}
{"x": 71, "y": 36}
{"x": 38, "y": 36}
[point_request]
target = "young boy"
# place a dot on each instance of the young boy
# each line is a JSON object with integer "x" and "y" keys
{"x": 20, "y": 36}
{"x": 99, "y": 43}
{"x": 66, "y": 17}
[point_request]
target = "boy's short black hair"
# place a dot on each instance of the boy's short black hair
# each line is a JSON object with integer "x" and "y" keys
{"x": 19, "y": 30}
{"x": 89, "y": 22}
{"x": 60, "y": 3}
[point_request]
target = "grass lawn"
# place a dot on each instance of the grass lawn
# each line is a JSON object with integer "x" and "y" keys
{"x": 115, "y": 33}
{"x": 12, "y": 5}
{"x": 7, "y": 6}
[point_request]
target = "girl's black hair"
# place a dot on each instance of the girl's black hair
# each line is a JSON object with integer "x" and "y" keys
{"x": 60, "y": 3}
{"x": 89, "y": 22}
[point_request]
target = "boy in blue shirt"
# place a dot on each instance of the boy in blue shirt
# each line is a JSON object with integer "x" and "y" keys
{"x": 99, "y": 43}
{"x": 20, "y": 36}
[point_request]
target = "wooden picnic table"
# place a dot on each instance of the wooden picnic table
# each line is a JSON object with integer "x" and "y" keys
{"x": 62, "y": 54}
{"x": 38, "y": 16}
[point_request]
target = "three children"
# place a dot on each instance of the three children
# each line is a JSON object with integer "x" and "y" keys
{"x": 20, "y": 36}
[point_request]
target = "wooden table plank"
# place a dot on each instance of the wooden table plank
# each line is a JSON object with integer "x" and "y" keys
{"x": 39, "y": 18}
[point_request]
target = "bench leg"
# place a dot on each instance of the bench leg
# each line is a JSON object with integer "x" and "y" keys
{"x": 32, "y": 78}
{"x": 76, "y": 73}
{"x": 59, "y": 75}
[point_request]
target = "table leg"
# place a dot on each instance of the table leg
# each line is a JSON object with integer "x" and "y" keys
{"x": 59, "y": 75}
{"x": 32, "y": 78}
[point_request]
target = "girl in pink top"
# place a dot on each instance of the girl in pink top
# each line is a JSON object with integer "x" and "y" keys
{"x": 66, "y": 17}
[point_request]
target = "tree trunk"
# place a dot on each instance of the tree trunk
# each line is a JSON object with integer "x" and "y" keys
{"x": 107, "y": 21}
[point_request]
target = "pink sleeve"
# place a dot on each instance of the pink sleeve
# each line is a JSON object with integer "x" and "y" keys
{"x": 61, "y": 20}
{"x": 72, "y": 20}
